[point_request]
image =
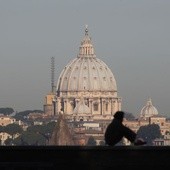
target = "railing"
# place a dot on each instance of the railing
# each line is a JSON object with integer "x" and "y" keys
{"x": 84, "y": 157}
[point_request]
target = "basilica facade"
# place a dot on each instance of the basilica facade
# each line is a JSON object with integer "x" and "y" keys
{"x": 86, "y": 89}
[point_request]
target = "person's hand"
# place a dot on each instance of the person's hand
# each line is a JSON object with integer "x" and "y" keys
{"x": 139, "y": 141}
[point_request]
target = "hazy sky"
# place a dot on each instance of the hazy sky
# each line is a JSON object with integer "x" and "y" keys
{"x": 131, "y": 36}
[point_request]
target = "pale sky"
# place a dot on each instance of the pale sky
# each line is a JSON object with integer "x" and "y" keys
{"x": 131, "y": 36}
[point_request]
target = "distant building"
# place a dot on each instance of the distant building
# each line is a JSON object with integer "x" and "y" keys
{"x": 3, "y": 137}
{"x": 6, "y": 120}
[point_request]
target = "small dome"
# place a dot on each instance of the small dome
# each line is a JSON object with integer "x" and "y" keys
{"x": 148, "y": 110}
{"x": 81, "y": 108}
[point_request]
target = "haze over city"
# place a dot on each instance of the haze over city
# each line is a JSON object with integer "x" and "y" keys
{"x": 131, "y": 37}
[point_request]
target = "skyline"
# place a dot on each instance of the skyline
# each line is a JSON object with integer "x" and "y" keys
{"x": 131, "y": 37}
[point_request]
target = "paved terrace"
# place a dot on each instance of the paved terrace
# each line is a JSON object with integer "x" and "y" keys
{"x": 84, "y": 157}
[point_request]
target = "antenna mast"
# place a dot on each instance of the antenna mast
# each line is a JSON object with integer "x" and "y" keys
{"x": 52, "y": 74}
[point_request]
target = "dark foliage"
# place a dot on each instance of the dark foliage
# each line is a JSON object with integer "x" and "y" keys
{"x": 6, "y": 111}
{"x": 22, "y": 115}
{"x": 149, "y": 133}
{"x": 91, "y": 141}
{"x": 129, "y": 116}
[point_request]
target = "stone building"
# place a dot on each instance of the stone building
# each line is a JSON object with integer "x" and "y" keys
{"x": 6, "y": 120}
{"x": 89, "y": 77}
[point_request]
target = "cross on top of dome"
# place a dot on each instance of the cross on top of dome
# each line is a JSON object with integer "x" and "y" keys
{"x": 86, "y": 30}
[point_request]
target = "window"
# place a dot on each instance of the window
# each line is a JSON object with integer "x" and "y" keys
{"x": 95, "y": 106}
{"x": 106, "y": 106}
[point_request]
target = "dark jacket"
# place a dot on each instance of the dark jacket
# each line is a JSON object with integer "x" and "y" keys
{"x": 116, "y": 131}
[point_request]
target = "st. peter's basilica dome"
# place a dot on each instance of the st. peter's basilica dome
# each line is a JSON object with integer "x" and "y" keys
{"x": 88, "y": 77}
{"x": 86, "y": 72}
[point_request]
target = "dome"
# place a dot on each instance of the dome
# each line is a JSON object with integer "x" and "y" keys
{"x": 86, "y": 72}
{"x": 148, "y": 110}
{"x": 88, "y": 77}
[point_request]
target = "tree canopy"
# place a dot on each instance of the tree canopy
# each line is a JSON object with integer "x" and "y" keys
{"x": 91, "y": 141}
{"x": 149, "y": 133}
{"x": 23, "y": 114}
{"x": 6, "y": 111}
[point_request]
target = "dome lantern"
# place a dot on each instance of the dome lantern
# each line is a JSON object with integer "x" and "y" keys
{"x": 86, "y": 48}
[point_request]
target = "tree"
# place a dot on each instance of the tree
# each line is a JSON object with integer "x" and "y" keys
{"x": 149, "y": 133}
{"x": 35, "y": 128}
{"x": 6, "y": 111}
{"x": 129, "y": 116}
{"x": 13, "y": 129}
{"x": 43, "y": 129}
{"x": 49, "y": 127}
{"x": 30, "y": 138}
{"x": 101, "y": 143}
{"x": 1, "y": 128}
{"x": 22, "y": 115}
{"x": 91, "y": 141}
{"x": 8, "y": 141}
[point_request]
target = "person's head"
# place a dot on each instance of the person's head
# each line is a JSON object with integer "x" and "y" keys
{"x": 119, "y": 115}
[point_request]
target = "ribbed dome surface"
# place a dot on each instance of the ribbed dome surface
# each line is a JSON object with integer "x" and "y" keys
{"x": 86, "y": 72}
{"x": 148, "y": 110}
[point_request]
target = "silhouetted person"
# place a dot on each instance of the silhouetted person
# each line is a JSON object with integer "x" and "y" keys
{"x": 116, "y": 131}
